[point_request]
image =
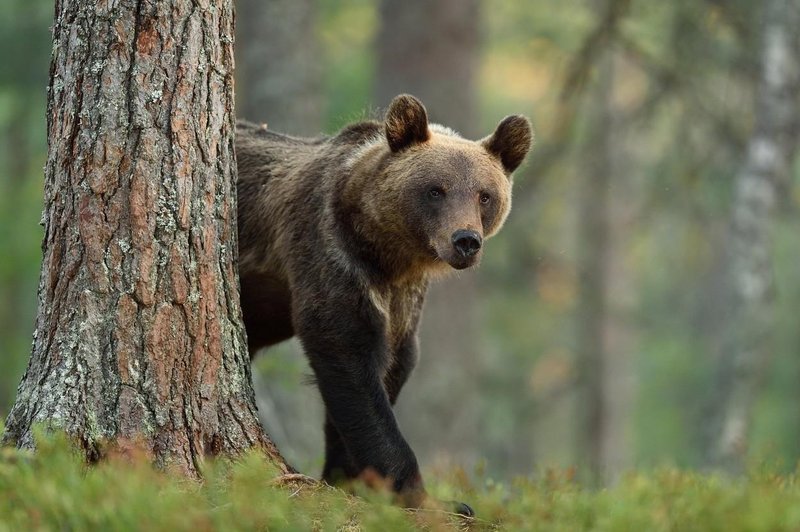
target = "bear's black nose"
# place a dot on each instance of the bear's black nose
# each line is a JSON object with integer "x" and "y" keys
{"x": 466, "y": 242}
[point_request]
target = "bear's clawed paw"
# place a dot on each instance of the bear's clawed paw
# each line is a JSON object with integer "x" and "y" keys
{"x": 461, "y": 508}
{"x": 450, "y": 507}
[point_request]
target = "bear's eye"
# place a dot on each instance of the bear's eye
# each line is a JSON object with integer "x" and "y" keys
{"x": 485, "y": 198}
{"x": 436, "y": 193}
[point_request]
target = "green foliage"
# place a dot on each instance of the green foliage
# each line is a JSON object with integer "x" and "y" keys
{"x": 54, "y": 490}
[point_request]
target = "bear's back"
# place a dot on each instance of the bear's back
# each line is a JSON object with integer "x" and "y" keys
{"x": 262, "y": 154}
{"x": 284, "y": 183}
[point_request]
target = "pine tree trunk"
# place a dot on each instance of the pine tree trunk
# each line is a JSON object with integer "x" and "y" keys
{"x": 139, "y": 339}
{"x": 750, "y": 285}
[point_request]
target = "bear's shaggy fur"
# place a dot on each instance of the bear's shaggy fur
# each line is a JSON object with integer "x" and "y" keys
{"x": 338, "y": 239}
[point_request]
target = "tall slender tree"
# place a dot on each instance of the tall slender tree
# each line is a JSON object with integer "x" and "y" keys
{"x": 23, "y": 33}
{"x": 750, "y": 285}
{"x": 593, "y": 263}
{"x": 139, "y": 339}
{"x": 594, "y": 241}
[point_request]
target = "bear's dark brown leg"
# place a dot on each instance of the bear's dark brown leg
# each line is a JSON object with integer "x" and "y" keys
{"x": 403, "y": 362}
{"x": 339, "y": 465}
{"x": 360, "y": 412}
{"x": 346, "y": 347}
{"x": 405, "y": 358}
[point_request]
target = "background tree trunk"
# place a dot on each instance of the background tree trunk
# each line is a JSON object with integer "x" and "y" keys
{"x": 770, "y": 152}
{"x": 279, "y": 82}
{"x": 593, "y": 268}
{"x": 431, "y": 50}
{"x": 12, "y": 298}
{"x": 598, "y": 331}
{"x": 139, "y": 339}
{"x": 278, "y": 75}
{"x": 23, "y": 77}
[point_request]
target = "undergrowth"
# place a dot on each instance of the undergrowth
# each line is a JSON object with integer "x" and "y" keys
{"x": 54, "y": 489}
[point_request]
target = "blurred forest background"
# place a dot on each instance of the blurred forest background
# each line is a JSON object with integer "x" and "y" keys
{"x": 642, "y": 304}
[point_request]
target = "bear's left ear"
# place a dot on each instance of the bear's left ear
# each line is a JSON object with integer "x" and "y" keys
{"x": 510, "y": 142}
{"x": 406, "y": 123}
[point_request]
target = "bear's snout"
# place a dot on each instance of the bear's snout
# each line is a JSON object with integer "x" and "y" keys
{"x": 467, "y": 243}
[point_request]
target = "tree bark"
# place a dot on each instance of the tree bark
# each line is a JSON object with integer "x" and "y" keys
{"x": 139, "y": 340}
{"x": 770, "y": 153}
{"x": 430, "y": 50}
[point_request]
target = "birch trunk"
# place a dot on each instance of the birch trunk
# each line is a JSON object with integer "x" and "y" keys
{"x": 768, "y": 161}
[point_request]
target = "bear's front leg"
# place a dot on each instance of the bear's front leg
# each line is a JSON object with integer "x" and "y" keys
{"x": 403, "y": 362}
{"x": 347, "y": 350}
{"x": 339, "y": 465}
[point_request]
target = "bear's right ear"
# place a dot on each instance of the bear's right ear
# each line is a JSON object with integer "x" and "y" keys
{"x": 406, "y": 123}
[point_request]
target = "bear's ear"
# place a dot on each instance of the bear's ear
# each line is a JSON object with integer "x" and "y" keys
{"x": 510, "y": 142}
{"x": 406, "y": 123}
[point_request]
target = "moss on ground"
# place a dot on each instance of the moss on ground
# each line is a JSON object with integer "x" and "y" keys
{"x": 54, "y": 490}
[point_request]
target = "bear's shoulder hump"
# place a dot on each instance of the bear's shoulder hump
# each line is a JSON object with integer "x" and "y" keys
{"x": 359, "y": 132}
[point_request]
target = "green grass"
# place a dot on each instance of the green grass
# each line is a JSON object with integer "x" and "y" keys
{"x": 54, "y": 490}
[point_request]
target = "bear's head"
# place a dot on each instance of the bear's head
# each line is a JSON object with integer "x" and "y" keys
{"x": 440, "y": 195}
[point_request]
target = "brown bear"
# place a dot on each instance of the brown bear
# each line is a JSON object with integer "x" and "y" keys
{"x": 338, "y": 239}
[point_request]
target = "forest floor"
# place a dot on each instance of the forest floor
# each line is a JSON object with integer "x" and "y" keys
{"x": 55, "y": 490}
